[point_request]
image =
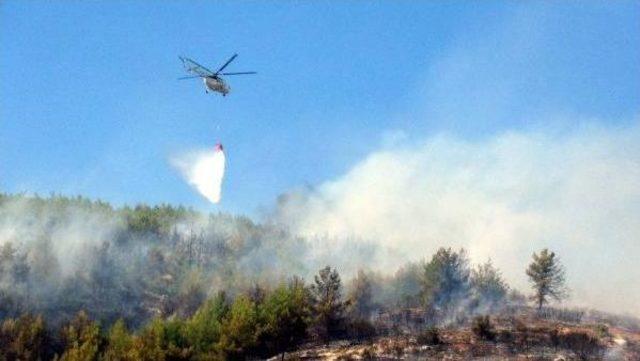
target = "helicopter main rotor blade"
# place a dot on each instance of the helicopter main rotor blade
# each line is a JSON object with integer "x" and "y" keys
{"x": 190, "y": 77}
{"x": 240, "y": 73}
{"x": 193, "y": 67}
{"x": 225, "y": 64}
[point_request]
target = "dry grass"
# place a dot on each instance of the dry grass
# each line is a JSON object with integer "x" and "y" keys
{"x": 514, "y": 338}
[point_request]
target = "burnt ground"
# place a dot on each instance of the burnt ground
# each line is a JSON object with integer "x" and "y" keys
{"x": 509, "y": 337}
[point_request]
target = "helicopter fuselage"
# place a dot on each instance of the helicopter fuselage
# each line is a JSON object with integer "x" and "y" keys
{"x": 216, "y": 84}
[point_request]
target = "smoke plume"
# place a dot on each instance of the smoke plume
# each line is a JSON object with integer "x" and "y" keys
{"x": 203, "y": 170}
{"x": 504, "y": 197}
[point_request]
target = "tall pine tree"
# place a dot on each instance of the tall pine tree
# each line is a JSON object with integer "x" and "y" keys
{"x": 546, "y": 275}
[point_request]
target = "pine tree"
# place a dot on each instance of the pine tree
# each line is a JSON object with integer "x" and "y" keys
{"x": 489, "y": 286}
{"x": 25, "y": 338}
{"x": 120, "y": 344}
{"x": 204, "y": 327}
{"x": 546, "y": 275}
{"x": 285, "y": 316}
{"x": 446, "y": 280}
{"x": 82, "y": 339}
{"x": 360, "y": 297}
{"x": 238, "y": 331}
{"x": 328, "y": 305}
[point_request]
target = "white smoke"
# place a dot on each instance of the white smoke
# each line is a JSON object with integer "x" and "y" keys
{"x": 503, "y": 197}
{"x": 67, "y": 235}
{"x": 203, "y": 170}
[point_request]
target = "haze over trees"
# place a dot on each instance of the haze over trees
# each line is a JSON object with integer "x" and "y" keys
{"x": 446, "y": 280}
{"x": 83, "y": 280}
{"x": 488, "y": 286}
{"x": 360, "y": 298}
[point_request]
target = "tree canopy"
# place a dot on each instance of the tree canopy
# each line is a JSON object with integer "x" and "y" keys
{"x": 546, "y": 275}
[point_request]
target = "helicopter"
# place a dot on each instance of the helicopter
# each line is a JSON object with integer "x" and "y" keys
{"x": 212, "y": 80}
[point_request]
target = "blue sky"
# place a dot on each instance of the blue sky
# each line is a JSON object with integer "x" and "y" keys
{"x": 90, "y": 104}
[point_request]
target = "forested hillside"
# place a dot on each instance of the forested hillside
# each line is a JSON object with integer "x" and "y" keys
{"x": 60, "y": 255}
{"x": 83, "y": 280}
